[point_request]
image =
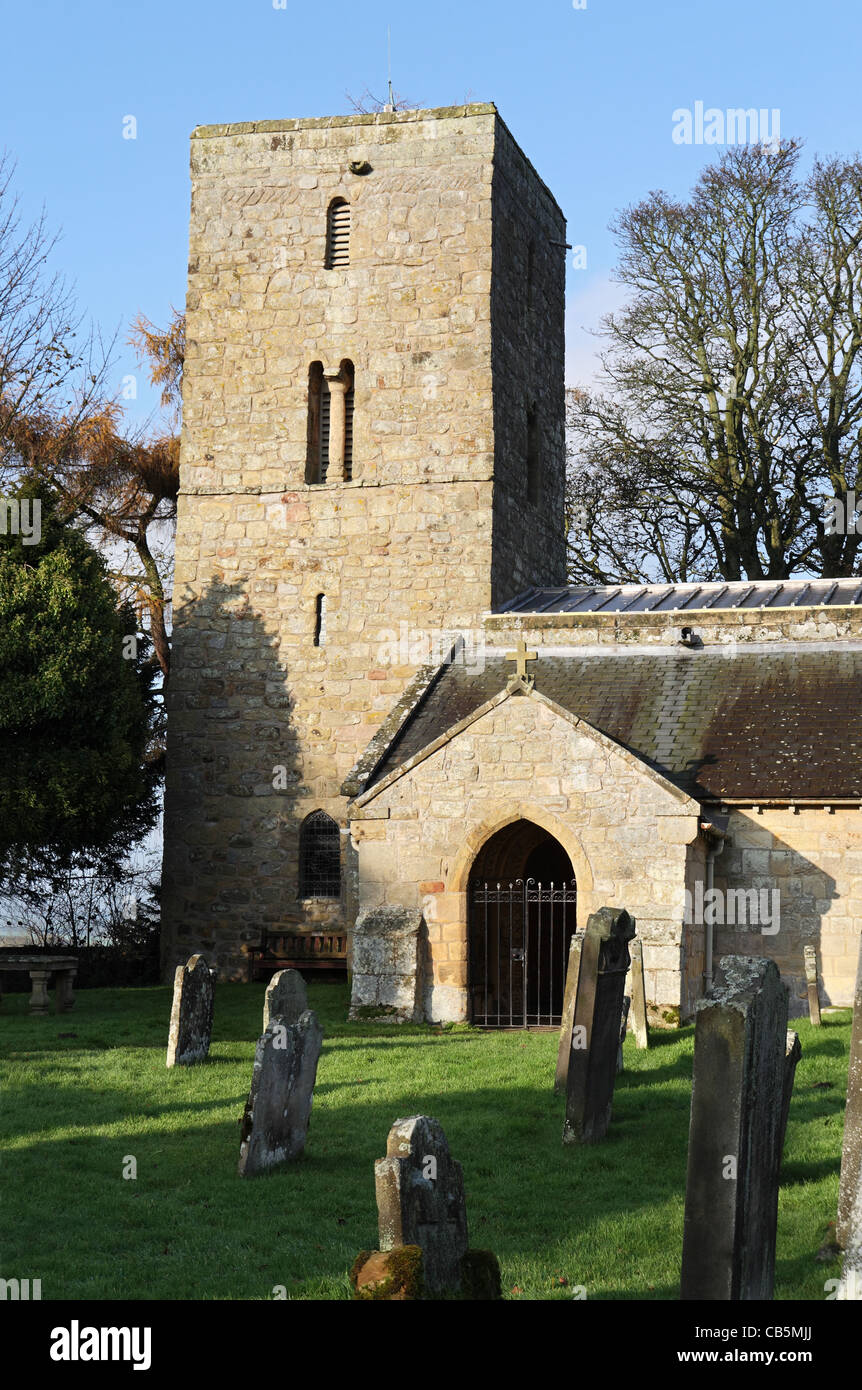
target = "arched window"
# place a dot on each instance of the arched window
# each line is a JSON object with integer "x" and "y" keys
{"x": 319, "y": 857}
{"x": 338, "y": 235}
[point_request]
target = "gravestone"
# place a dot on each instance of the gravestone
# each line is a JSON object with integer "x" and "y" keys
{"x": 569, "y": 997}
{"x": 286, "y": 998}
{"x": 811, "y": 980}
{"x": 734, "y": 1151}
{"x": 638, "y": 987}
{"x": 792, "y": 1054}
{"x": 278, "y": 1108}
{"x": 848, "y": 1228}
{"x": 420, "y": 1200}
{"x": 387, "y": 965}
{"x": 623, "y": 1025}
{"x": 191, "y": 1013}
{"x": 596, "y": 1025}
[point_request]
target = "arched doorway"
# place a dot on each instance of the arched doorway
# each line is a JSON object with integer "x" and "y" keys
{"x": 522, "y": 903}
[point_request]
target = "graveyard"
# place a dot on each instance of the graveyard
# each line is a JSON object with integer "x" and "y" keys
{"x": 127, "y": 1181}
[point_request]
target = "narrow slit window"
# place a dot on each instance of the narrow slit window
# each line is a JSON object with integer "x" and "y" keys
{"x": 325, "y": 418}
{"x": 320, "y": 620}
{"x": 338, "y": 235}
{"x": 532, "y": 455}
{"x": 315, "y": 401}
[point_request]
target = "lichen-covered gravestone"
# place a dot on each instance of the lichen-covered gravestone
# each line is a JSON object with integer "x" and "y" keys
{"x": 743, "y": 1063}
{"x": 286, "y": 998}
{"x": 420, "y": 1200}
{"x": 596, "y": 1025}
{"x": 811, "y": 981}
{"x": 422, "y": 1224}
{"x": 278, "y": 1109}
{"x": 848, "y": 1228}
{"x": 387, "y": 965}
{"x": 638, "y": 995}
{"x": 570, "y": 994}
{"x": 191, "y": 1013}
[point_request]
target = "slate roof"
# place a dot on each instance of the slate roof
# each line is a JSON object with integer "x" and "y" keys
{"x": 691, "y": 598}
{"x": 767, "y": 721}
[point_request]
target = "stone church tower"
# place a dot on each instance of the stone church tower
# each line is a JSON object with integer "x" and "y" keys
{"x": 372, "y": 455}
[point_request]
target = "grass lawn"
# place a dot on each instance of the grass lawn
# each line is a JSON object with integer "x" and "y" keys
{"x": 85, "y": 1089}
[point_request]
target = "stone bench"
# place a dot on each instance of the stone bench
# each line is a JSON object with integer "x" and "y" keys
{"x": 41, "y": 968}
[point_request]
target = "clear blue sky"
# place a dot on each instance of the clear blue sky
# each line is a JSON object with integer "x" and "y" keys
{"x": 588, "y": 93}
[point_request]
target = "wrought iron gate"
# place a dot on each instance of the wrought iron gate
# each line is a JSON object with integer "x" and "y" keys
{"x": 519, "y": 945}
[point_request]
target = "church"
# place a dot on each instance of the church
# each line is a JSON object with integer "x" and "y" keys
{"x": 391, "y": 722}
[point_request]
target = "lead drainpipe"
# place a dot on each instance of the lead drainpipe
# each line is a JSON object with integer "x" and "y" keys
{"x": 717, "y": 838}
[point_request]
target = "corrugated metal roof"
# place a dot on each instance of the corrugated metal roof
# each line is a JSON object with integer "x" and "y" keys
{"x": 749, "y": 723}
{"x": 690, "y": 598}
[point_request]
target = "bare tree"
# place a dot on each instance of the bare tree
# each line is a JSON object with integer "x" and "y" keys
{"x": 47, "y": 361}
{"x": 733, "y": 406}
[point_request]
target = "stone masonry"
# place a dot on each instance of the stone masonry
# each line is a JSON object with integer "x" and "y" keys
{"x": 457, "y": 260}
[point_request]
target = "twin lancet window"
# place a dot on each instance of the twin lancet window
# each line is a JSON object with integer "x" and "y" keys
{"x": 329, "y": 457}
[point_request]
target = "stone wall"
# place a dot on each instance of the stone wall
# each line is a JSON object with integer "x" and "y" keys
{"x": 727, "y": 627}
{"x": 813, "y": 856}
{"x": 626, "y": 832}
{"x": 263, "y": 724}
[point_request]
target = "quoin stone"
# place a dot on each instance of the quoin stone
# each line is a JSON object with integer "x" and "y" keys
{"x": 848, "y": 1229}
{"x": 192, "y": 1013}
{"x": 735, "y": 1135}
{"x": 278, "y": 1109}
{"x": 596, "y": 1025}
{"x": 810, "y": 956}
{"x": 420, "y": 1200}
{"x": 286, "y": 998}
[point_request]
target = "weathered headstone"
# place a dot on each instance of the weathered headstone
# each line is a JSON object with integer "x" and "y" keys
{"x": 737, "y": 1103}
{"x": 624, "y": 1018}
{"x": 848, "y": 1228}
{"x": 420, "y": 1200}
{"x": 387, "y": 973}
{"x": 638, "y": 987}
{"x": 792, "y": 1054}
{"x": 191, "y": 1013}
{"x": 275, "y": 1121}
{"x": 596, "y": 1026}
{"x": 811, "y": 980}
{"x": 569, "y": 996}
{"x": 286, "y": 998}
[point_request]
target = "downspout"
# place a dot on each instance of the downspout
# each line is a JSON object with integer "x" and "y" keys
{"x": 717, "y": 838}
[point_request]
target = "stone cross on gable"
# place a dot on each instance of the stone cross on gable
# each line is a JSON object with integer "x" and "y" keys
{"x": 522, "y": 656}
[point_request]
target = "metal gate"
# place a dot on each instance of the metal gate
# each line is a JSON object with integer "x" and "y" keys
{"x": 519, "y": 946}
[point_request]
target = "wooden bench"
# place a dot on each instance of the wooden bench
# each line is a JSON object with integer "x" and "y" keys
{"x": 294, "y": 950}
